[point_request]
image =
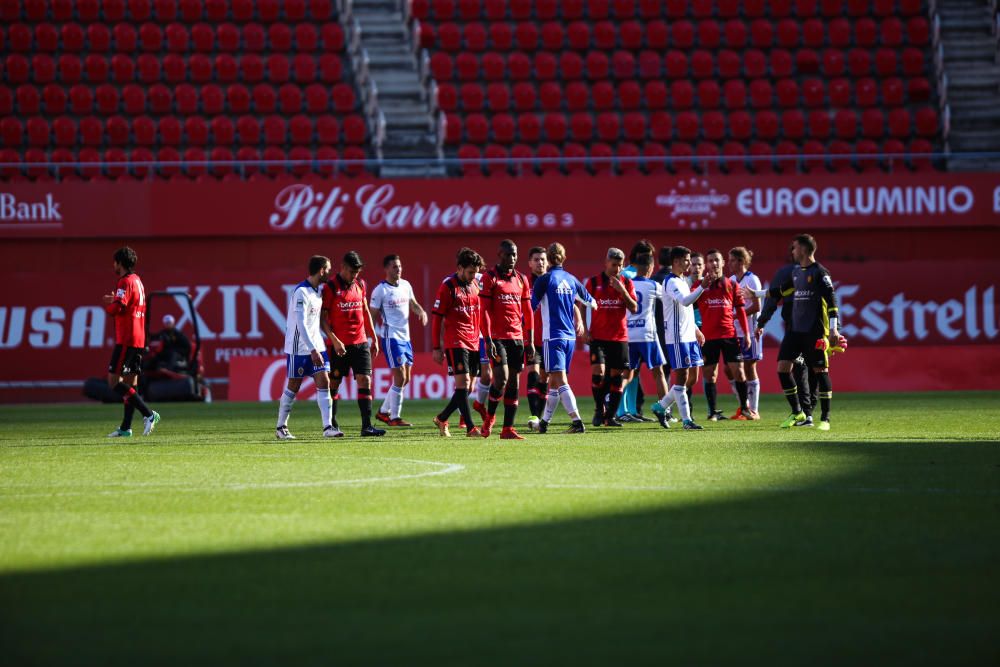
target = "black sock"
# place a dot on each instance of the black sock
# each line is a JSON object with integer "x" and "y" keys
{"x": 334, "y": 402}
{"x": 127, "y": 419}
{"x": 462, "y": 400}
{"x": 452, "y": 405}
{"x": 494, "y": 400}
{"x": 741, "y": 391}
{"x": 711, "y": 393}
{"x": 131, "y": 397}
{"x": 791, "y": 393}
{"x": 510, "y": 403}
{"x": 598, "y": 391}
{"x": 615, "y": 396}
{"x": 365, "y": 405}
{"x": 534, "y": 401}
{"x": 801, "y": 375}
{"x": 813, "y": 389}
{"x": 640, "y": 395}
{"x": 825, "y": 386}
{"x": 689, "y": 392}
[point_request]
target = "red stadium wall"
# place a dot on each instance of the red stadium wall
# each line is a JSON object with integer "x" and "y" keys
{"x": 917, "y": 277}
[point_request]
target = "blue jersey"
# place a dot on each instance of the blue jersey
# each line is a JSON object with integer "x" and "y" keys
{"x": 555, "y": 293}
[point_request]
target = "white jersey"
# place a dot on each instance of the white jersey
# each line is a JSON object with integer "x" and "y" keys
{"x": 678, "y": 311}
{"x": 392, "y": 303}
{"x": 753, "y": 282}
{"x": 302, "y": 332}
{"x": 642, "y": 324}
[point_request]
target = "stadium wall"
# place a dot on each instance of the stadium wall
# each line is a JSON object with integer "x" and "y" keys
{"x": 914, "y": 257}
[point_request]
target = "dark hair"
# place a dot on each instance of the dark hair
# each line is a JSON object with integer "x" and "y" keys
{"x": 353, "y": 260}
{"x": 467, "y": 257}
{"x": 664, "y": 257}
{"x": 508, "y": 245}
{"x": 126, "y": 257}
{"x": 678, "y": 252}
{"x": 316, "y": 264}
{"x": 742, "y": 254}
{"x": 807, "y": 242}
{"x": 536, "y": 250}
{"x": 389, "y": 259}
{"x": 641, "y": 247}
{"x": 713, "y": 251}
{"x": 643, "y": 261}
{"x": 696, "y": 254}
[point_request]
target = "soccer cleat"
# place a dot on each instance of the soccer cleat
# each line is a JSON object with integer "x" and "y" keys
{"x": 383, "y": 417}
{"x": 481, "y": 409}
{"x": 372, "y": 432}
{"x": 662, "y": 418}
{"x": 670, "y": 416}
{"x": 577, "y": 427}
{"x": 807, "y": 422}
{"x": 121, "y": 433}
{"x": 474, "y": 432}
{"x": 598, "y": 419}
{"x": 150, "y": 422}
{"x": 717, "y": 416}
{"x": 611, "y": 421}
{"x": 628, "y": 419}
{"x": 824, "y": 425}
{"x": 399, "y": 422}
{"x": 332, "y": 432}
{"x": 739, "y": 416}
{"x": 689, "y": 425}
{"x": 508, "y": 433}
{"x": 791, "y": 419}
{"x": 461, "y": 422}
{"x": 487, "y": 427}
{"x": 543, "y": 426}
{"x": 442, "y": 428}
{"x": 281, "y": 433}
{"x": 639, "y": 417}
{"x": 753, "y": 415}
{"x": 533, "y": 424}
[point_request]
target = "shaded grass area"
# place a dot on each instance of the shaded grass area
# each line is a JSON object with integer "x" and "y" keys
{"x": 209, "y": 542}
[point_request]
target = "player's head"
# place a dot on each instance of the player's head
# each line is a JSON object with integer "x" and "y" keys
{"x": 125, "y": 259}
{"x": 697, "y": 269}
{"x": 641, "y": 247}
{"x": 351, "y": 266}
{"x": 740, "y": 259}
{"x": 643, "y": 265}
{"x": 469, "y": 263}
{"x": 714, "y": 262}
{"x": 803, "y": 247}
{"x": 537, "y": 261}
{"x": 663, "y": 258}
{"x": 393, "y": 267}
{"x": 556, "y": 254}
{"x": 319, "y": 267}
{"x": 613, "y": 262}
{"x": 507, "y": 255}
{"x": 680, "y": 260}
{"x": 169, "y": 321}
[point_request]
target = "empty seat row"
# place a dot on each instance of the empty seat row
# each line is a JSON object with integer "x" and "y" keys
{"x": 163, "y": 11}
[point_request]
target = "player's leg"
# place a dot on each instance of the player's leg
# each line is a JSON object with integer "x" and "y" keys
{"x": 600, "y": 381}
{"x": 559, "y": 389}
{"x": 711, "y": 374}
{"x": 534, "y": 399}
{"x": 321, "y": 377}
{"x": 498, "y": 384}
{"x": 515, "y": 358}
{"x": 787, "y": 352}
{"x": 114, "y": 380}
{"x": 820, "y": 364}
{"x": 385, "y": 409}
{"x": 485, "y": 380}
{"x": 295, "y": 370}
{"x": 126, "y": 388}
{"x": 753, "y": 382}
{"x": 617, "y": 361}
{"x": 734, "y": 369}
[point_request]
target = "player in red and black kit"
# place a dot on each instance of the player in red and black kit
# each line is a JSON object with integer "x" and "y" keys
{"x": 608, "y": 335}
{"x": 716, "y": 304}
{"x": 506, "y": 298}
{"x": 127, "y": 304}
{"x": 346, "y": 320}
{"x": 457, "y": 322}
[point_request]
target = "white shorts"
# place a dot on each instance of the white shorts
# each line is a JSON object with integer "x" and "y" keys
{"x": 684, "y": 355}
{"x": 398, "y": 353}
{"x": 756, "y": 351}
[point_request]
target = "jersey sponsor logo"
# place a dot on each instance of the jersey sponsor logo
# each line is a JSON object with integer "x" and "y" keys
{"x": 609, "y": 302}
{"x": 506, "y": 297}
{"x": 350, "y": 305}
{"x": 717, "y": 303}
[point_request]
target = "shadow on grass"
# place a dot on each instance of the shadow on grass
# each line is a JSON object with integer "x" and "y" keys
{"x": 819, "y": 574}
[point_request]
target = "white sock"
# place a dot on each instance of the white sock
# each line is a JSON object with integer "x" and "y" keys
{"x": 323, "y": 401}
{"x": 396, "y": 395}
{"x": 667, "y": 400}
{"x": 568, "y": 399}
{"x": 551, "y": 401}
{"x": 680, "y": 396}
{"x": 285, "y": 407}
{"x": 753, "y": 393}
{"x": 482, "y": 392}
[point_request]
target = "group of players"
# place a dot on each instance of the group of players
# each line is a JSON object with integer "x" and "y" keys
{"x": 494, "y": 323}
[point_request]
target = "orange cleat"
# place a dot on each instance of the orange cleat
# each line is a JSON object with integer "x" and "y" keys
{"x": 739, "y": 416}
{"x": 461, "y": 422}
{"x": 474, "y": 432}
{"x": 488, "y": 423}
{"x": 398, "y": 422}
{"x": 508, "y": 433}
{"x": 383, "y": 417}
{"x": 481, "y": 409}
{"x": 442, "y": 428}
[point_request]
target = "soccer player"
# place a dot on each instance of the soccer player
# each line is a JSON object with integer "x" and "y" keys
{"x": 347, "y": 320}
{"x": 127, "y": 304}
{"x": 721, "y": 298}
{"x": 534, "y": 365}
{"x": 814, "y": 329}
{"x": 630, "y": 408}
{"x": 393, "y": 301}
{"x": 506, "y": 297}
{"x": 556, "y": 294}
{"x": 643, "y": 345}
{"x": 305, "y": 351}
{"x": 683, "y": 351}
{"x": 608, "y": 336}
{"x": 740, "y": 259}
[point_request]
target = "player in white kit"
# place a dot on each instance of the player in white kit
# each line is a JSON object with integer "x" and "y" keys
{"x": 643, "y": 343}
{"x": 392, "y": 302}
{"x": 739, "y": 265}
{"x": 305, "y": 350}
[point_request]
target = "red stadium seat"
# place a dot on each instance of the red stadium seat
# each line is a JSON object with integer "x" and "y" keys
{"x": 682, "y": 94}
{"x": 555, "y": 127}
{"x": 529, "y": 128}
{"x": 502, "y": 128}
{"x": 709, "y": 94}
{"x": 144, "y": 130}
{"x": 223, "y": 130}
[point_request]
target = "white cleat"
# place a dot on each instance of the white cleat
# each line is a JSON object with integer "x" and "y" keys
{"x": 332, "y": 432}
{"x": 150, "y": 422}
{"x": 120, "y": 433}
{"x": 281, "y": 433}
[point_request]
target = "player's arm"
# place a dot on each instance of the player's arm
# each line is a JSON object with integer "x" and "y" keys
{"x": 324, "y": 323}
{"x": 438, "y": 313}
{"x": 117, "y": 302}
{"x": 752, "y": 301}
{"x": 782, "y": 288}
{"x": 527, "y": 319}
{"x": 485, "y": 326}
{"x": 316, "y": 347}
{"x": 672, "y": 288}
{"x": 418, "y": 310}
{"x": 538, "y": 290}
{"x": 370, "y": 328}
{"x": 829, "y": 296}
{"x": 578, "y": 321}
{"x": 767, "y": 311}
{"x": 628, "y": 294}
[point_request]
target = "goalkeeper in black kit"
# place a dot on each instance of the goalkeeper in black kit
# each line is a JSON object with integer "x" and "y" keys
{"x": 813, "y": 330}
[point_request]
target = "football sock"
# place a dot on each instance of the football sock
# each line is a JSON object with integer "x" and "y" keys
{"x": 825, "y": 386}
{"x": 598, "y": 391}
{"x": 800, "y": 374}
{"x": 551, "y": 401}
{"x": 568, "y": 399}
{"x": 629, "y": 395}
{"x": 495, "y": 395}
{"x": 534, "y": 398}
{"x": 131, "y": 397}
{"x": 753, "y": 394}
{"x": 791, "y": 393}
{"x": 396, "y": 395}
{"x": 285, "y": 407}
{"x": 689, "y": 393}
{"x": 386, "y": 407}
{"x": 680, "y": 396}
{"x": 463, "y": 408}
{"x": 711, "y": 393}
{"x": 325, "y": 406}
{"x": 510, "y": 403}
{"x": 615, "y": 395}
{"x": 813, "y": 389}
{"x": 741, "y": 391}
{"x": 638, "y": 395}
{"x": 482, "y": 391}
{"x": 334, "y": 402}
{"x": 127, "y": 418}
{"x": 365, "y": 406}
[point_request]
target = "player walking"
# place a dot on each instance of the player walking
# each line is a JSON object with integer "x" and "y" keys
{"x": 305, "y": 351}
{"x": 630, "y": 407}
{"x": 739, "y": 266}
{"x": 534, "y": 365}
{"x": 127, "y": 304}
{"x": 643, "y": 344}
{"x": 393, "y": 301}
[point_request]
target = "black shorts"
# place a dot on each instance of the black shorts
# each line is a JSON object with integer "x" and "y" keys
{"x": 125, "y": 360}
{"x": 613, "y": 354}
{"x": 797, "y": 343}
{"x": 356, "y": 358}
{"x": 510, "y": 353}
{"x": 461, "y": 361}
{"x": 729, "y": 348}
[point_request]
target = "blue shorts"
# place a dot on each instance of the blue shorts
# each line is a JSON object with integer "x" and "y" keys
{"x": 558, "y": 354}
{"x": 301, "y": 365}
{"x": 647, "y": 352}
{"x": 756, "y": 351}
{"x": 398, "y": 353}
{"x": 684, "y": 355}
{"x": 484, "y": 357}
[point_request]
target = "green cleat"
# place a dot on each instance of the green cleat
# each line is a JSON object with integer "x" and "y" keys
{"x": 824, "y": 425}
{"x": 150, "y": 422}
{"x": 121, "y": 433}
{"x": 791, "y": 419}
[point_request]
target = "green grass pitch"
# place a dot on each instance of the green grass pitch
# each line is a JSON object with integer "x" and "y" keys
{"x": 209, "y": 542}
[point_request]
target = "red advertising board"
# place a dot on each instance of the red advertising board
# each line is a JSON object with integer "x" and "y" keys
{"x": 408, "y": 207}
